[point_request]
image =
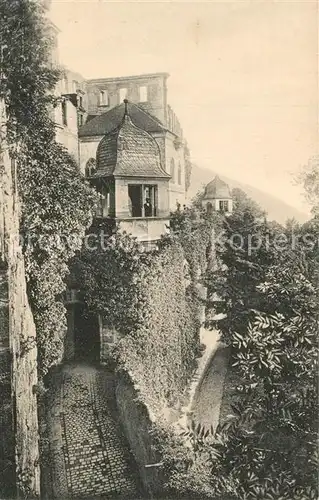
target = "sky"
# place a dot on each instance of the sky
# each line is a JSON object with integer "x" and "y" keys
{"x": 243, "y": 75}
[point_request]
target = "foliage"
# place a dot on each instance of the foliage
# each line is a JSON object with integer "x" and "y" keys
{"x": 309, "y": 177}
{"x": 194, "y": 229}
{"x": 186, "y": 471}
{"x": 267, "y": 447}
{"x": 28, "y": 79}
{"x": 56, "y": 202}
{"x": 244, "y": 252}
{"x": 268, "y": 288}
{"x": 144, "y": 296}
{"x": 188, "y": 166}
{"x": 242, "y": 202}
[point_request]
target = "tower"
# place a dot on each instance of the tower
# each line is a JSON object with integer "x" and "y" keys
{"x": 217, "y": 197}
{"x": 131, "y": 181}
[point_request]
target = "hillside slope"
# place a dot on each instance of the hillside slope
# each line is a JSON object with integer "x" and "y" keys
{"x": 277, "y": 209}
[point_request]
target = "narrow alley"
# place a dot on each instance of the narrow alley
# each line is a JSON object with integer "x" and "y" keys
{"x": 90, "y": 457}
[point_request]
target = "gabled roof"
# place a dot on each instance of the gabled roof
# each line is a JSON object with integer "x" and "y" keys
{"x": 129, "y": 151}
{"x": 108, "y": 121}
{"x": 217, "y": 189}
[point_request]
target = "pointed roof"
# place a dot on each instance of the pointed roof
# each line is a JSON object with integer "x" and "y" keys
{"x": 106, "y": 122}
{"x": 129, "y": 151}
{"x": 217, "y": 189}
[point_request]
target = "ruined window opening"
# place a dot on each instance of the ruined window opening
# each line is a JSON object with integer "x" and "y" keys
{"x": 143, "y": 94}
{"x": 123, "y": 94}
{"x": 104, "y": 98}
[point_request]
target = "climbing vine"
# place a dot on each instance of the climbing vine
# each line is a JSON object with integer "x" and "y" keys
{"x": 55, "y": 202}
{"x": 146, "y": 298}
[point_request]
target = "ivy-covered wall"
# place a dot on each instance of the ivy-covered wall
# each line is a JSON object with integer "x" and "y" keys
{"x": 19, "y": 449}
{"x": 150, "y": 302}
{"x": 159, "y": 353}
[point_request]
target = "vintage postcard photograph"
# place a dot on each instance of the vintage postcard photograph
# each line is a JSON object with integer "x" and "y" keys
{"x": 159, "y": 250}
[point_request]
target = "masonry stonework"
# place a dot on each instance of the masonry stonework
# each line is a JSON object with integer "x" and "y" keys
{"x": 19, "y": 451}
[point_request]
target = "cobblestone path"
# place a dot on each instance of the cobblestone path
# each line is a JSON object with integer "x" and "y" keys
{"x": 90, "y": 456}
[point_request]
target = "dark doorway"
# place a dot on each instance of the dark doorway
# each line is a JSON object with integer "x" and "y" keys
{"x": 86, "y": 335}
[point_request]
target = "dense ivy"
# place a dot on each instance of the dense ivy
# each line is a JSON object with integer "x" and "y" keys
{"x": 188, "y": 166}
{"x": 147, "y": 299}
{"x": 267, "y": 446}
{"x": 55, "y": 201}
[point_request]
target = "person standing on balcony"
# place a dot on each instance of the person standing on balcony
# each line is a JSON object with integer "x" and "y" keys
{"x": 148, "y": 208}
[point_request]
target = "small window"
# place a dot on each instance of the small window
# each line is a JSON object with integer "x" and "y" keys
{"x": 123, "y": 94}
{"x": 172, "y": 170}
{"x": 104, "y": 99}
{"x": 143, "y": 94}
{"x": 223, "y": 206}
{"x": 80, "y": 120}
{"x": 64, "y": 113}
{"x": 179, "y": 173}
{"x": 81, "y": 101}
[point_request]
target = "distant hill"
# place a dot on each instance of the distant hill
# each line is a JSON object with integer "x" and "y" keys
{"x": 277, "y": 209}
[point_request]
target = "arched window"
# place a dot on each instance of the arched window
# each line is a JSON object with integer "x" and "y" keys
{"x": 209, "y": 208}
{"x": 172, "y": 170}
{"x": 179, "y": 175}
{"x": 90, "y": 167}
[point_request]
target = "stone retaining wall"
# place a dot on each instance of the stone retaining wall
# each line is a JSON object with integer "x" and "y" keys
{"x": 19, "y": 463}
{"x": 137, "y": 426}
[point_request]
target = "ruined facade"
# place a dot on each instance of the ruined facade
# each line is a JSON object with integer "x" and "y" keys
{"x": 89, "y": 109}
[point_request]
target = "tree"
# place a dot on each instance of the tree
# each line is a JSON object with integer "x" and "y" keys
{"x": 244, "y": 254}
{"x": 309, "y": 177}
{"x": 188, "y": 166}
{"x": 56, "y": 202}
{"x": 267, "y": 447}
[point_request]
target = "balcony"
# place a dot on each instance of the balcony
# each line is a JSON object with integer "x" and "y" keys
{"x": 145, "y": 229}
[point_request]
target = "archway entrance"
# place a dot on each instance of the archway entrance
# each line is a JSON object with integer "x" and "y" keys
{"x": 86, "y": 334}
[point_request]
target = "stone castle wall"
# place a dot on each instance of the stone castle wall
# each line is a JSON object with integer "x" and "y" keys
{"x": 19, "y": 460}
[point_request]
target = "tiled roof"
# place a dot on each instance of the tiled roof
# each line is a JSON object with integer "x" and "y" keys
{"x": 217, "y": 189}
{"x": 129, "y": 151}
{"x": 105, "y": 123}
